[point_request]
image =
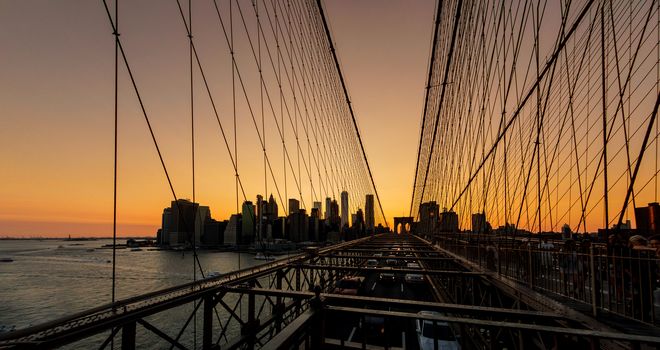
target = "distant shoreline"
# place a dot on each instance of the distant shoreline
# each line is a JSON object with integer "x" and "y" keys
{"x": 9, "y": 238}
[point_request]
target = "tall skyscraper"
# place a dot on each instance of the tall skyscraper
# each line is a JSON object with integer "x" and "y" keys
{"x": 260, "y": 216}
{"x": 202, "y": 216}
{"x": 294, "y": 206}
{"x": 183, "y": 221}
{"x": 272, "y": 211}
{"x": 369, "y": 217}
{"x": 344, "y": 210}
{"x": 334, "y": 219}
{"x": 249, "y": 216}
{"x": 298, "y": 226}
{"x": 327, "y": 208}
{"x": 319, "y": 207}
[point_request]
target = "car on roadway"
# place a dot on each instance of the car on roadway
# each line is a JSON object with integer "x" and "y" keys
{"x": 378, "y": 255}
{"x": 349, "y": 285}
{"x": 414, "y": 278}
{"x": 413, "y": 265}
{"x": 441, "y": 333}
{"x": 387, "y": 277}
{"x": 391, "y": 262}
{"x": 372, "y": 263}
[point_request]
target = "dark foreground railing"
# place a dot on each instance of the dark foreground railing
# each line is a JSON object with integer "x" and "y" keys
{"x": 618, "y": 280}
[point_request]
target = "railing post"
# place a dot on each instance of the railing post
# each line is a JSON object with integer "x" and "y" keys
{"x": 498, "y": 259}
{"x": 207, "y": 336}
{"x": 530, "y": 265}
{"x": 297, "y": 278}
{"x": 278, "y": 310}
{"x": 128, "y": 336}
{"x": 592, "y": 271}
{"x": 316, "y": 331}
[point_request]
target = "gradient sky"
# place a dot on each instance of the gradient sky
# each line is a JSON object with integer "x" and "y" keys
{"x": 56, "y": 98}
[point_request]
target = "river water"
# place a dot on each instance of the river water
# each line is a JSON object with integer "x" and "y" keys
{"x": 53, "y": 278}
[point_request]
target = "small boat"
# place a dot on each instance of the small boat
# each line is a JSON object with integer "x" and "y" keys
{"x": 262, "y": 256}
{"x": 213, "y": 274}
{"x": 6, "y": 260}
{"x": 136, "y": 249}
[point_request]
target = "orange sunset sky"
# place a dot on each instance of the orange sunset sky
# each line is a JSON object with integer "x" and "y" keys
{"x": 56, "y": 112}
{"x": 57, "y": 115}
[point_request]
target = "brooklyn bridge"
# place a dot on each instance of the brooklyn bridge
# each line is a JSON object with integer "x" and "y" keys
{"x": 533, "y": 218}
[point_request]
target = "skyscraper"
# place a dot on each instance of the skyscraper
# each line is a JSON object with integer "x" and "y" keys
{"x": 294, "y": 206}
{"x": 247, "y": 231}
{"x": 369, "y": 213}
{"x": 327, "y": 208}
{"x": 202, "y": 216}
{"x": 344, "y": 210}
{"x": 334, "y": 213}
{"x": 260, "y": 216}
{"x": 298, "y": 226}
{"x": 318, "y": 207}
{"x": 183, "y": 221}
{"x": 272, "y": 211}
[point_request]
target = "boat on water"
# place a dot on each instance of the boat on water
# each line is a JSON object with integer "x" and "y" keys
{"x": 136, "y": 249}
{"x": 213, "y": 274}
{"x": 262, "y": 256}
{"x": 6, "y": 260}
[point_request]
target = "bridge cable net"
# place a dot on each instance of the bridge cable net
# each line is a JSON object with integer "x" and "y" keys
{"x": 287, "y": 102}
{"x": 541, "y": 114}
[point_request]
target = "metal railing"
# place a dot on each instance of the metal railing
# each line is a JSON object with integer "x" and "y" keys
{"x": 618, "y": 280}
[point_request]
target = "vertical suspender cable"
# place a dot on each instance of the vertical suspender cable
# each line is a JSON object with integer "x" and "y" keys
{"x": 604, "y": 97}
{"x": 114, "y": 199}
{"x": 193, "y": 240}
{"x": 233, "y": 96}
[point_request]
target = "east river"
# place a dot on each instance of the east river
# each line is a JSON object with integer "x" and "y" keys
{"x": 49, "y": 279}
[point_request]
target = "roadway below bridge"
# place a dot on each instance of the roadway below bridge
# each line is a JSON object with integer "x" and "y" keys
{"x": 353, "y": 330}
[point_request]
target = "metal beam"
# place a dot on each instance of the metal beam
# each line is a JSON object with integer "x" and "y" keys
{"x": 393, "y": 270}
{"x": 330, "y": 299}
{"x": 585, "y": 333}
